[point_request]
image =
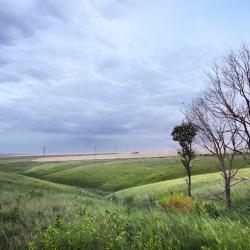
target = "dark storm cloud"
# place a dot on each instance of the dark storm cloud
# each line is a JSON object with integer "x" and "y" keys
{"x": 23, "y": 19}
{"x": 13, "y": 25}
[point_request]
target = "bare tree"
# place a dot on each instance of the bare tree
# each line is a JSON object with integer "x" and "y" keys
{"x": 219, "y": 136}
{"x": 229, "y": 92}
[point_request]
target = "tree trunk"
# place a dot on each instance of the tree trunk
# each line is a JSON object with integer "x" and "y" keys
{"x": 228, "y": 194}
{"x": 189, "y": 185}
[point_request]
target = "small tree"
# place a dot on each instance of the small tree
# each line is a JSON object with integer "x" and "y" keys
{"x": 185, "y": 134}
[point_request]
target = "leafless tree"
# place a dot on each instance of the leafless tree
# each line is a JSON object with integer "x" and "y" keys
{"x": 229, "y": 92}
{"x": 219, "y": 136}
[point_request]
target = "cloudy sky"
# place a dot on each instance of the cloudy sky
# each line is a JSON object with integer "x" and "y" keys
{"x": 107, "y": 73}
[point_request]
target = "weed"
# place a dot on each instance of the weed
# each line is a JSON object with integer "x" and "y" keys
{"x": 178, "y": 203}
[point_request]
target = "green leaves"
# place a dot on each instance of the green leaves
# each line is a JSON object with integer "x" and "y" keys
{"x": 185, "y": 134}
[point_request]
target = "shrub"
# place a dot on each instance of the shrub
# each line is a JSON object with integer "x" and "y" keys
{"x": 10, "y": 214}
{"x": 178, "y": 203}
{"x": 208, "y": 207}
{"x": 114, "y": 198}
{"x": 88, "y": 230}
{"x": 129, "y": 203}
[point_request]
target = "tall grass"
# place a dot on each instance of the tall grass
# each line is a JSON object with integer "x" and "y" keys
{"x": 26, "y": 203}
{"x": 39, "y": 214}
{"x": 100, "y": 228}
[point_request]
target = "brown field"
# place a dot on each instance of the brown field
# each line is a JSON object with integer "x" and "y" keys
{"x": 105, "y": 156}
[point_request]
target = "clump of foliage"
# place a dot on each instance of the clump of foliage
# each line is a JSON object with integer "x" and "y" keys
{"x": 129, "y": 203}
{"x": 208, "y": 207}
{"x": 98, "y": 229}
{"x": 86, "y": 230}
{"x": 185, "y": 135}
{"x": 178, "y": 203}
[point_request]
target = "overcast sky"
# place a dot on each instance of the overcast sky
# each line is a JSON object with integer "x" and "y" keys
{"x": 107, "y": 73}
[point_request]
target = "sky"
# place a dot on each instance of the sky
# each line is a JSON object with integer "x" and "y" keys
{"x": 110, "y": 74}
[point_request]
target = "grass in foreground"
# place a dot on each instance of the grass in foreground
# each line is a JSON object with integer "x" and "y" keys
{"x": 141, "y": 229}
{"x": 38, "y": 214}
{"x": 27, "y": 203}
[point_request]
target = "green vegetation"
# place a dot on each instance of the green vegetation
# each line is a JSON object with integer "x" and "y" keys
{"x": 185, "y": 134}
{"x": 37, "y": 212}
{"x": 120, "y": 174}
{"x": 204, "y": 186}
{"x": 140, "y": 229}
{"x": 114, "y": 175}
{"x": 26, "y": 203}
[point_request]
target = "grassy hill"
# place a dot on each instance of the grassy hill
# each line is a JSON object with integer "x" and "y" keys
{"x": 116, "y": 175}
{"x": 37, "y": 212}
{"x": 10, "y": 181}
{"x": 203, "y": 186}
{"x": 27, "y": 203}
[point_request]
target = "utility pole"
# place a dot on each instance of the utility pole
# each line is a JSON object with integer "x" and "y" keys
{"x": 44, "y": 150}
{"x": 95, "y": 152}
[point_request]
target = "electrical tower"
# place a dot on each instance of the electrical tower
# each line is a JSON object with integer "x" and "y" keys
{"x": 44, "y": 150}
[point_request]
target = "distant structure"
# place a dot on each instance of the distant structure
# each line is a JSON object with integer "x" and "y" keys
{"x": 95, "y": 152}
{"x": 44, "y": 150}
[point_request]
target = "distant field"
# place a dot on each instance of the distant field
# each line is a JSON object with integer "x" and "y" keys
{"x": 107, "y": 156}
{"x": 113, "y": 175}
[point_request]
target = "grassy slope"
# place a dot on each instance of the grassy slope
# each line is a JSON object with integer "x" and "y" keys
{"x": 20, "y": 181}
{"x": 49, "y": 168}
{"x": 38, "y": 169}
{"x": 17, "y": 167}
{"x": 28, "y": 202}
{"x": 202, "y": 186}
{"x": 121, "y": 174}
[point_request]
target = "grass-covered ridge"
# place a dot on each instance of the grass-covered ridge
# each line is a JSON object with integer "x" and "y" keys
{"x": 37, "y": 212}
{"x": 114, "y": 175}
{"x": 203, "y": 186}
{"x": 20, "y": 182}
{"x": 27, "y": 203}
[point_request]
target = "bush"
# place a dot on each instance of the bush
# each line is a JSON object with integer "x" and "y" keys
{"x": 178, "y": 203}
{"x": 10, "y": 214}
{"x": 208, "y": 207}
{"x": 86, "y": 230}
{"x": 129, "y": 203}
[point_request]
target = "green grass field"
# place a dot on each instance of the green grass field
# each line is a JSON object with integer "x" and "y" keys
{"x": 113, "y": 175}
{"x": 115, "y": 204}
{"x": 203, "y": 186}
